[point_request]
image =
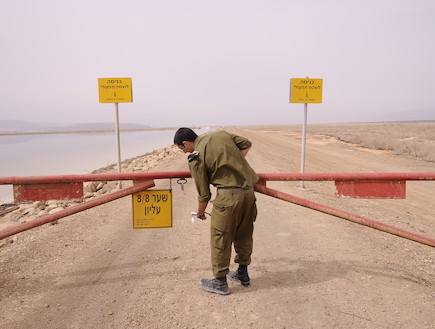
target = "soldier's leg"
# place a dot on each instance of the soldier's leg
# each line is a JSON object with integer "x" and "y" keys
{"x": 222, "y": 234}
{"x": 243, "y": 242}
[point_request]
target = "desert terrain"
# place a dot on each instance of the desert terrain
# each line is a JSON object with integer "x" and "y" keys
{"x": 309, "y": 269}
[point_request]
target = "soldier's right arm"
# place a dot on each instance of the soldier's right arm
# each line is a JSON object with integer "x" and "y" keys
{"x": 199, "y": 174}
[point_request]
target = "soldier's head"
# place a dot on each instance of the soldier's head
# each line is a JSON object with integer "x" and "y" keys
{"x": 185, "y": 139}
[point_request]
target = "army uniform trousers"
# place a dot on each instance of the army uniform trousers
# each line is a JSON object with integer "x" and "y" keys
{"x": 232, "y": 221}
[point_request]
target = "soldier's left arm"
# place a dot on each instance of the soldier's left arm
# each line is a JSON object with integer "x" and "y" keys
{"x": 242, "y": 143}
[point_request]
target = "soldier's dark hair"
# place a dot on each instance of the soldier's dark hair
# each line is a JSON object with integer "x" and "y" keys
{"x": 184, "y": 134}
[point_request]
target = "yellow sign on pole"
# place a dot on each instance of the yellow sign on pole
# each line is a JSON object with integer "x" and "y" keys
{"x": 306, "y": 90}
{"x": 115, "y": 90}
{"x": 152, "y": 209}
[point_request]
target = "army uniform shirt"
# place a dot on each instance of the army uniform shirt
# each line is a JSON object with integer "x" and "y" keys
{"x": 217, "y": 160}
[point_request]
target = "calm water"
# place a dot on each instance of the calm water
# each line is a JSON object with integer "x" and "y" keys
{"x": 31, "y": 155}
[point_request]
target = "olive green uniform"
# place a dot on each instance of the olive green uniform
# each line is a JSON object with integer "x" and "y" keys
{"x": 217, "y": 160}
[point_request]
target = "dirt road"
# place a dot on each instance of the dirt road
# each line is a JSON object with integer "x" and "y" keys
{"x": 309, "y": 270}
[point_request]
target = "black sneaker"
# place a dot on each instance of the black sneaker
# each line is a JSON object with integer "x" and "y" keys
{"x": 217, "y": 285}
{"x": 242, "y": 278}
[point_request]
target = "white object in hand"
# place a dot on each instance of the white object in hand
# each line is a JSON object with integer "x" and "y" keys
{"x": 194, "y": 214}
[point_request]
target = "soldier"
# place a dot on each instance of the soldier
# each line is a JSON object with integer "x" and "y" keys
{"x": 218, "y": 158}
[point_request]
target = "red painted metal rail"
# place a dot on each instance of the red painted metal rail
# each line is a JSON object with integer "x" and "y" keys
{"x": 346, "y": 176}
{"x": 93, "y": 177}
{"x": 143, "y": 182}
{"x": 346, "y": 215}
{"x": 186, "y": 174}
{"x": 74, "y": 209}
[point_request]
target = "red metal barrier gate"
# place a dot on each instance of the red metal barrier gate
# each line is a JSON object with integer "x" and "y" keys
{"x": 357, "y": 185}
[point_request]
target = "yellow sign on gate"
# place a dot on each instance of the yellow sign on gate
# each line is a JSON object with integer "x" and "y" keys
{"x": 306, "y": 90}
{"x": 115, "y": 90}
{"x": 152, "y": 209}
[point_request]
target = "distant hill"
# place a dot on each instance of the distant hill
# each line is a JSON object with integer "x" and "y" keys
{"x": 18, "y": 126}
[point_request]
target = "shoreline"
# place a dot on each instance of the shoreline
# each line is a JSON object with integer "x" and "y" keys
{"x": 96, "y": 131}
{"x": 13, "y": 212}
{"x": 71, "y": 154}
{"x": 102, "y": 131}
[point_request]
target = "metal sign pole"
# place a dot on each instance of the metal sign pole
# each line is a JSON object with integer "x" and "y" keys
{"x": 118, "y": 144}
{"x": 304, "y": 141}
{"x": 115, "y": 90}
{"x": 305, "y": 91}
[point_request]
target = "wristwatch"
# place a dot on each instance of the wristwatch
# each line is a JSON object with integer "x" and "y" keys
{"x": 200, "y": 216}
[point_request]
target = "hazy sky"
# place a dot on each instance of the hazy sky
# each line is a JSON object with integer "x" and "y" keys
{"x": 200, "y": 62}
